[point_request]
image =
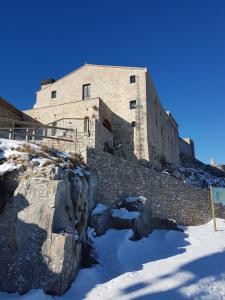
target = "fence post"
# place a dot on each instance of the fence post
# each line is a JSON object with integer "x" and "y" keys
{"x": 27, "y": 136}
{"x": 75, "y": 140}
{"x": 33, "y": 133}
{"x": 10, "y": 133}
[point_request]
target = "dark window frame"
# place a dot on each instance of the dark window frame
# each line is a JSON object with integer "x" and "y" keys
{"x": 133, "y": 124}
{"x": 132, "y": 79}
{"x": 86, "y": 91}
{"x": 133, "y": 104}
{"x": 53, "y": 94}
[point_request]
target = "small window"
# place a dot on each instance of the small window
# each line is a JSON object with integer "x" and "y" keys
{"x": 53, "y": 94}
{"x": 86, "y": 91}
{"x": 133, "y": 104}
{"x": 133, "y": 124}
{"x": 132, "y": 79}
{"x": 86, "y": 124}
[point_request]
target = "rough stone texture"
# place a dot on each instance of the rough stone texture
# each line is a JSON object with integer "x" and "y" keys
{"x": 101, "y": 222}
{"x": 168, "y": 198}
{"x": 186, "y": 147}
{"x": 141, "y": 226}
{"x": 43, "y": 228}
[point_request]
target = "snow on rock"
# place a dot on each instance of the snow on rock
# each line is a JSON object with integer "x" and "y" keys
{"x": 99, "y": 209}
{"x": 27, "y": 259}
{"x": 195, "y": 176}
{"x": 6, "y": 167}
{"x": 198, "y": 177}
{"x": 79, "y": 171}
{"x": 36, "y": 155}
{"x": 123, "y": 213}
{"x": 40, "y": 161}
{"x": 132, "y": 199}
{"x": 9, "y": 147}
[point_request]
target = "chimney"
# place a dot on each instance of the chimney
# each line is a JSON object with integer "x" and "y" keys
{"x": 47, "y": 82}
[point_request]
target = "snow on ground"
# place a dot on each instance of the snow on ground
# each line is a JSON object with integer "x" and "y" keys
{"x": 168, "y": 265}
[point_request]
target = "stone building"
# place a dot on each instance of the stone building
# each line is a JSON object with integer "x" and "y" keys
{"x": 122, "y": 106}
{"x": 10, "y": 116}
{"x": 186, "y": 147}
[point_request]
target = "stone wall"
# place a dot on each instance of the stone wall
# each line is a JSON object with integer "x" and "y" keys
{"x": 60, "y": 145}
{"x": 186, "y": 147}
{"x": 97, "y": 137}
{"x": 166, "y": 196}
{"x": 163, "y": 132}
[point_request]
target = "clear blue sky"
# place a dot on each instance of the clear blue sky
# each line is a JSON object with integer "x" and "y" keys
{"x": 182, "y": 42}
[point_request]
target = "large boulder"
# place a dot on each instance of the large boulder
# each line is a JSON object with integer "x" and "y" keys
{"x": 131, "y": 213}
{"x": 101, "y": 219}
{"x": 43, "y": 228}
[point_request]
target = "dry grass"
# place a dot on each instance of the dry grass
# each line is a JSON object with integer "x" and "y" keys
{"x": 59, "y": 160}
{"x": 48, "y": 162}
{"x": 48, "y": 150}
{"x": 26, "y": 148}
{"x": 75, "y": 159}
{"x": 44, "y": 151}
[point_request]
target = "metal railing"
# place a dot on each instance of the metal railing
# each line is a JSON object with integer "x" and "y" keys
{"x": 23, "y": 130}
{"x": 78, "y": 138}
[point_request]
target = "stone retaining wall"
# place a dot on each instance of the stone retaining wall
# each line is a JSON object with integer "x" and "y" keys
{"x": 166, "y": 196}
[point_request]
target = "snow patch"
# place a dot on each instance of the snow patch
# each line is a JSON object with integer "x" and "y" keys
{"x": 99, "y": 209}
{"x": 132, "y": 199}
{"x": 123, "y": 213}
{"x": 6, "y": 167}
{"x": 79, "y": 171}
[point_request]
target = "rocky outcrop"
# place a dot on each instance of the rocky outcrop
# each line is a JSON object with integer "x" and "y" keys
{"x": 130, "y": 214}
{"x": 43, "y": 227}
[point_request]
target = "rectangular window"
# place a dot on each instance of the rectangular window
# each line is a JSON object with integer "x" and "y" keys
{"x": 53, "y": 94}
{"x": 133, "y": 123}
{"x": 133, "y": 104}
{"x": 132, "y": 79}
{"x": 86, "y": 91}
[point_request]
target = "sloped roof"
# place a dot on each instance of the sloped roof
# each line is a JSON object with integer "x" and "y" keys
{"x": 101, "y": 66}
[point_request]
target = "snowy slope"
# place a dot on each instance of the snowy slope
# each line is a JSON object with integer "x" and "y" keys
{"x": 195, "y": 176}
{"x": 167, "y": 265}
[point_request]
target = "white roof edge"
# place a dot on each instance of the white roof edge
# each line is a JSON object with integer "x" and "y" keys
{"x": 93, "y": 65}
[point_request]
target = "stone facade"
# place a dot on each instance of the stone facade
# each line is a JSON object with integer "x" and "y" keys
{"x": 187, "y": 148}
{"x": 124, "y": 100}
{"x": 167, "y": 197}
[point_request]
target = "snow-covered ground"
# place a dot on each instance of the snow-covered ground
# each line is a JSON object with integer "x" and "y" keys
{"x": 167, "y": 265}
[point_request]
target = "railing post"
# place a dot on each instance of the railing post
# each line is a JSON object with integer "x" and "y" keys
{"x": 27, "y": 135}
{"x": 33, "y": 133}
{"x": 75, "y": 140}
{"x": 10, "y": 133}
